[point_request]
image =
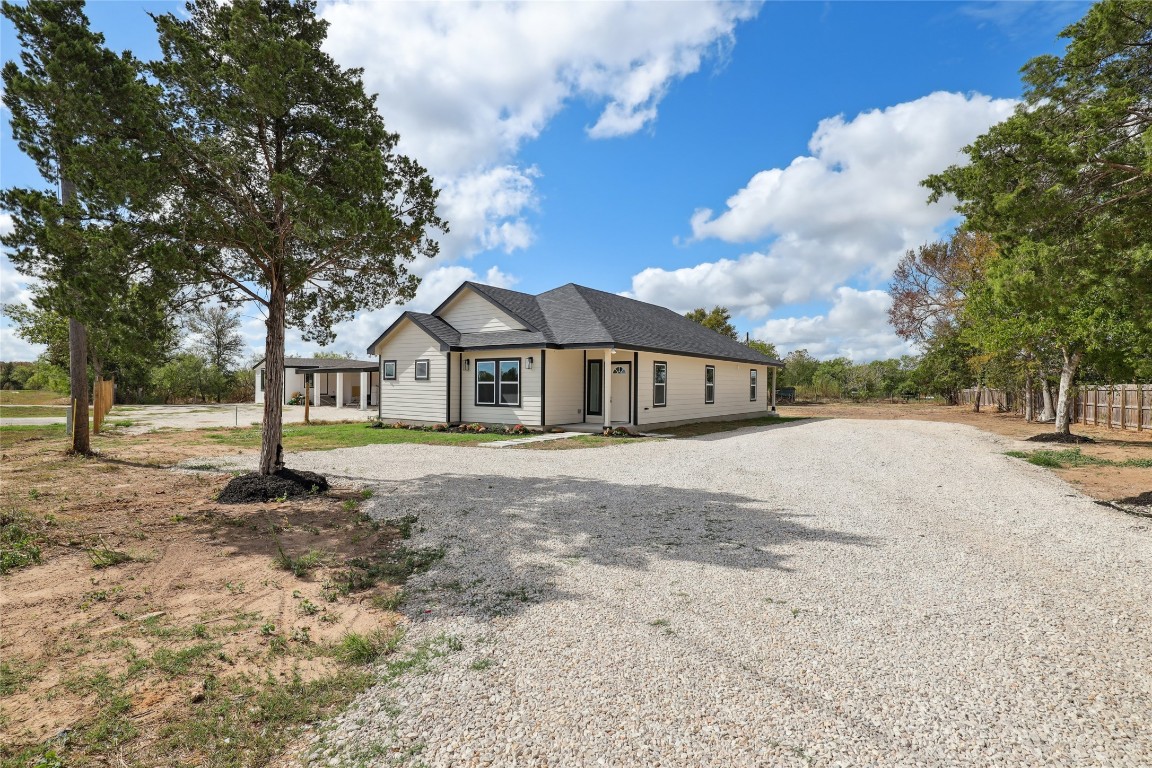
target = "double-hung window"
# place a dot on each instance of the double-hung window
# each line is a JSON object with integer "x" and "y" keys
{"x": 659, "y": 384}
{"x": 498, "y": 382}
{"x": 262, "y": 382}
{"x": 752, "y": 374}
{"x": 389, "y": 370}
{"x": 421, "y": 370}
{"x": 709, "y": 384}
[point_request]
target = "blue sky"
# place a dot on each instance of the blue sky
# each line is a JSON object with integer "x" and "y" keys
{"x": 761, "y": 157}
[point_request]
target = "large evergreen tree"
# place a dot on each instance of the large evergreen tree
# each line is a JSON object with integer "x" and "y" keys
{"x": 283, "y": 177}
{"x": 78, "y": 111}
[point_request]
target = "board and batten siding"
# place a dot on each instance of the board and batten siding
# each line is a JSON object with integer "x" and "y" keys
{"x": 685, "y": 395}
{"x": 472, "y": 313}
{"x": 527, "y": 413}
{"x": 564, "y": 386}
{"x": 405, "y": 398}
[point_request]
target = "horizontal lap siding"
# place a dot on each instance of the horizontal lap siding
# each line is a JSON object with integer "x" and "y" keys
{"x": 685, "y": 394}
{"x": 528, "y": 412}
{"x": 405, "y": 398}
{"x": 565, "y": 387}
{"x": 472, "y": 313}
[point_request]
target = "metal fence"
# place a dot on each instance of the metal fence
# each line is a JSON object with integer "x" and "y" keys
{"x": 1119, "y": 406}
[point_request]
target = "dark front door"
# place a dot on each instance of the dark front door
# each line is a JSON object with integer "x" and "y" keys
{"x": 595, "y": 389}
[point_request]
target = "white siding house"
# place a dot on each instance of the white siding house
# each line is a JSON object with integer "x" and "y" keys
{"x": 571, "y": 356}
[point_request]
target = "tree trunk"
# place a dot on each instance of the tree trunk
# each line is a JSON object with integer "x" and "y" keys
{"x": 976, "y": 400}
{"x": 271, "y": 451}
{"x": 77, "y": 360}
{"x": 1063, "y": 403}
{"x": 78, "y": 383}
{"x": 1028, "y": 396}
{"x": 1048, "y": 412}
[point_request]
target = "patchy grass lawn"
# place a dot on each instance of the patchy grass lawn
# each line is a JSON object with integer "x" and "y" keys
{"x": 321, "y": 437}
{"x": 711, "y": 427}
{"x": 1072, "y": 457}
{"x": 31, "y": 397}
{"x": 32, "y": 411}
{"x": 581, "y": 441}
{"x": 144, "y": 624}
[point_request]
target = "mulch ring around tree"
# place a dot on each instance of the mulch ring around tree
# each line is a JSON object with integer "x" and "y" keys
{"x": 284, "y": 484}
{"x": 1060, "y": 437}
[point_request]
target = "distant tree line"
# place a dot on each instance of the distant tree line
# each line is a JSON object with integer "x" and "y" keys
{"x": 194, "y": 356}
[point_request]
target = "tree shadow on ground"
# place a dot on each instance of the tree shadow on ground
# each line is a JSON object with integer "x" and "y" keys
{"x": 506, "y": 539}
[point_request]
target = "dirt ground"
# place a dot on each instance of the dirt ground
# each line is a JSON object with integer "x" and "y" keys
{"x": 149, "y": 596}
{"x": 1099, "y": 482}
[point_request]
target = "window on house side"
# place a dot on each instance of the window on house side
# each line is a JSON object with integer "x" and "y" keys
{"x": 389, "y": 370}
{"x": 498, "y": 382}
{"x": 421, "y": 370}
{"x": 659, "y": 384}
{"x": 709, "y": 384}
{"x": 752, "y": 384}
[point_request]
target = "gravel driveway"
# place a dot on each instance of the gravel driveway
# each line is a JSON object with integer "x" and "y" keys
{"x": 817, "y": 593}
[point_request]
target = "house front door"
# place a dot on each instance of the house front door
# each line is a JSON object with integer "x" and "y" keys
{"x": 621, "y": 392}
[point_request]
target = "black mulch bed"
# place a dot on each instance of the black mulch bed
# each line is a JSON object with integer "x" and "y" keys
{"x": 286, "y": 483}
{"x": 1058, "y": 437}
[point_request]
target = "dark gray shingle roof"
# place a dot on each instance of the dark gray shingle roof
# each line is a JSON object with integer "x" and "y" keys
{"x": 575, "y": 316}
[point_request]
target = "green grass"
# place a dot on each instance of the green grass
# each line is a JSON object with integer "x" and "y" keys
{"x": 29, "y": 397}
{"x": 1072, "y": 457}
{"x": 32, "y": 411}
{"x": 320, "y": 437}
{"x": 19, "y": 543}
{"x": 29, "y": 431}
{"x": 246, "y": 720}
{"x": 366, "y": 648}
{"x": 710, "y": 427}
{"x": 300, "y": 565}
{"x": 102, "y": 557}
{"x": 581, "y": 441}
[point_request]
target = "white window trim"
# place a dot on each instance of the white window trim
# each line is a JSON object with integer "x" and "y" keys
{"x": 709, "y": 387}
{"x": 427, "y": 370}
{"x": 663, "y": 386}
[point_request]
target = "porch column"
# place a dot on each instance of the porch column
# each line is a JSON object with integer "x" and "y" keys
{"x": 364, "y": 390}
{"x": 339, "y": 389}
{"x": 607, "y": 396}
{"x": 316, "y": 388}
{"x": 773, "y": 389}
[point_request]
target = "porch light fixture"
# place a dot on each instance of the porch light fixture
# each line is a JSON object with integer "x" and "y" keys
{"x": 529, "y": 366}
{"x": 467, "y": 364}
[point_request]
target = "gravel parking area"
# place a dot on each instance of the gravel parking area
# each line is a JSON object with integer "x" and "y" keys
{"x": 830, "y": 593}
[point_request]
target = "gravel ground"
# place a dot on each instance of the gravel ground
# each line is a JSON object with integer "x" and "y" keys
{"x": 148, "y": 417}
{"x": 832, "y": 593}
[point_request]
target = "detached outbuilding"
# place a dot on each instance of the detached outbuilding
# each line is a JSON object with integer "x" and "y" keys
{"x": 329, "y": 381}
{"x": 569, "y": 356}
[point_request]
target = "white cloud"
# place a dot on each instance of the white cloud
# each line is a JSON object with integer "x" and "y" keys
{"x": 855, "y": 326}
{"x": 849, "y": 209}
{"x": 466, "y": 84}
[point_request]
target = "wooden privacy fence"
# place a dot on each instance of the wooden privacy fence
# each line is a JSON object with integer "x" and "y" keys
{"x": 102, "y": 394}
{"x": 1119, "y": 406}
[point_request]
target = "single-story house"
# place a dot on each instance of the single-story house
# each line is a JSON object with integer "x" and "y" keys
{"x": 569, "y": 356}
{"x": 331, "y": 381}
